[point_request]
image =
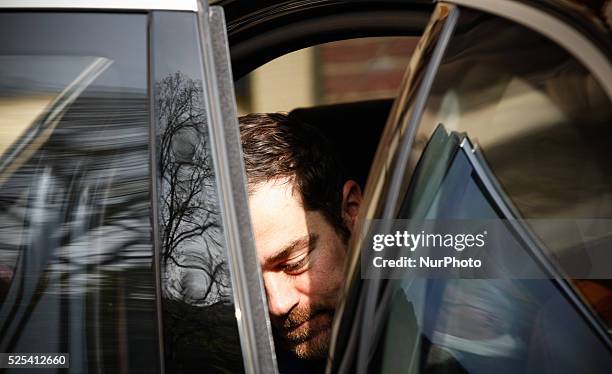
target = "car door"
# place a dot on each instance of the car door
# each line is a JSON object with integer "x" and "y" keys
{"x": 125, "y": 240}
{"x": 500, "y": 117}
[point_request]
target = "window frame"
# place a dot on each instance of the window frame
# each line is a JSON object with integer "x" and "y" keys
{"x": 247, "y": 285}
{"x": 250, "y": 306}
{"x": 147, "y": 5}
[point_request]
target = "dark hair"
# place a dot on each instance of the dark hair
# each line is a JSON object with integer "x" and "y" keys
{"x": 279, "y": 146}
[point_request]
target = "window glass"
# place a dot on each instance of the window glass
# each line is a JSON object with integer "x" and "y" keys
{"x": 540, "y": 118}
{"x": 479, "y": 325}
{"x": 543, "y": 124}
{"x": 200, "y": 327}
{"x": 540, "y": 124}
{"x": 76, "y": 256}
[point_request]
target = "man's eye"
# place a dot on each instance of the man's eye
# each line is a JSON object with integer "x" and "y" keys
{"x": 296, "y": 267}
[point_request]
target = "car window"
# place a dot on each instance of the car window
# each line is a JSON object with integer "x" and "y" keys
{"x": 538, "y": 121}
{"x": 199, "y": 313}
{"x": 76, "y": 255}
{"x": 542, "y": 125}
{"x": 478, "y": 325}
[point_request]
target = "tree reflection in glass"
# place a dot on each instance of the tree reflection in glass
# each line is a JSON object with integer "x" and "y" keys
{"x": 200, "y": 329}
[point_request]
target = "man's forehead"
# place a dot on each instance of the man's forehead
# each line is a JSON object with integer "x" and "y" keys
{"x": 284, "y": 186}
{"x": 273, "y": 200}
{"x": 277, "y": 217}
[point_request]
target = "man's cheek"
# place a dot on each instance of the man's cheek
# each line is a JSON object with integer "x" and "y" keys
{"x": 324, "y": 285}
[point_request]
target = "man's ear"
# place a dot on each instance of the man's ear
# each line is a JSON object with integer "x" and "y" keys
{"x": 351, "y": 200}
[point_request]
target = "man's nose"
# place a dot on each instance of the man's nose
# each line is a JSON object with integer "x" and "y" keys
{"x": 282, "y": 294}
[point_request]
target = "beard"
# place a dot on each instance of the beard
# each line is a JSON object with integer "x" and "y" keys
{"x": 306, "y": 332}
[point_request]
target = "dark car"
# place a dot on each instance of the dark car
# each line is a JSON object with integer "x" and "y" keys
{"x": 125, "y": 237}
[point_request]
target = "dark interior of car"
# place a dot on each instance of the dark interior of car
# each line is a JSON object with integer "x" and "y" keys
{"x": 353, "y": 128}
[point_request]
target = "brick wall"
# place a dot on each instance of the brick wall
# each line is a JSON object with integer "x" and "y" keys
{"x": 362, "y": 69}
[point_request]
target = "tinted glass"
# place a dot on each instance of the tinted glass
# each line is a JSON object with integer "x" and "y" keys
{"x": 541, "y": 119}
{"x": 541, "y": 123}
{"x": 478, "y": 325}
{"x": 200, "y": 328}
{"x": 76, "y": 255}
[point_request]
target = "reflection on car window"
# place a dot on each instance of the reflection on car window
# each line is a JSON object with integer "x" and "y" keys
{"x": 543, "y": 124}
{"x": 200, "y": 328}
{"x": 478, "y": 325}
{"x": 76, "y": 256}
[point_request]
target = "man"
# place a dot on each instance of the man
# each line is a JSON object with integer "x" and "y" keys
{"x": 302, "y": 212}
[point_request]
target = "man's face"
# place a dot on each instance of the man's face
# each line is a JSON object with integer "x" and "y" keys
{"x": 302, "y": 258}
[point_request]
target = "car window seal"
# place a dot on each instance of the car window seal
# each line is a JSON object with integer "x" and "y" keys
{"x": 372, "y": 288}
{"x": 251, "y": 309}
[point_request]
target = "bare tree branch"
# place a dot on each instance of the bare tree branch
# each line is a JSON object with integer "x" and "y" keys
{"x": 191, "y": 231}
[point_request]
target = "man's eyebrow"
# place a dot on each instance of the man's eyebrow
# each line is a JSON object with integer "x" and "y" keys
{"x": 306, "y": 241}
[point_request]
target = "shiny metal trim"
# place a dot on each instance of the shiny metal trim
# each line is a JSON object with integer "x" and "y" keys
{"x": 249, "y": 297}
{"x": 422, "y": 95}
{"x": 556, "y": 30}
{"x": 154, "y": 191}
{"x": 191, "y": 5}
{"x": 253, "y": 287}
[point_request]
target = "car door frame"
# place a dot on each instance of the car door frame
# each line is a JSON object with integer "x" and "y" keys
{"x": 249, "y": 295}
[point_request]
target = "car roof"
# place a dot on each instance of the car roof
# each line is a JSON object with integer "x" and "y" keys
{"x": 592, "y": 14}
{"x": 191, "y": 5}
{"x": 596, "y": 14}
{"x": 598, "y": 11}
